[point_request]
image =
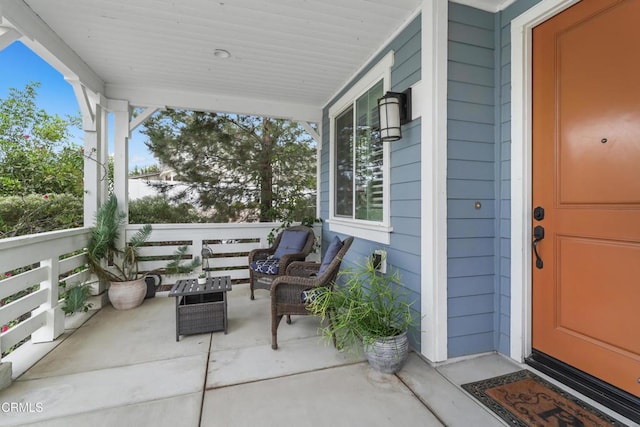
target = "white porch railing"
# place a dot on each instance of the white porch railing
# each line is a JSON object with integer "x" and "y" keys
{"x": 229, "y": 243}
{"x": 38, "y": 260}
{"x": 31, "y": 267}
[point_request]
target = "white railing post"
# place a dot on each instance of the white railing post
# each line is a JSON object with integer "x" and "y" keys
{"x": 54, "y": 323}
{"x": 5, "y": 374}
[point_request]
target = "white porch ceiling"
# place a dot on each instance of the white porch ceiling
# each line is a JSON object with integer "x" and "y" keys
{"x": 288, "y": 57}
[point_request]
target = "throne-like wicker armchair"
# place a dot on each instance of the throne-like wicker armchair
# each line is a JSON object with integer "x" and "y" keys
{"x": 266, "y": 264}
{"x": 290, "y": 293}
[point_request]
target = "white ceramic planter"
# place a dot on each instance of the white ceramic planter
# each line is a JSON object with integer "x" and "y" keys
{"x": 127, "y": 295}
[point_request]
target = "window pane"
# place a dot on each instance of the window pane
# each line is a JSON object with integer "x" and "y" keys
{"x": 344, "y": 164}
{"x": 368, "y": 157}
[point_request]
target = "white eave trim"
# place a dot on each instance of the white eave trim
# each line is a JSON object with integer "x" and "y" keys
{"x": 7, "y": 36}
{"x": 39, "y": 37}
{"x": 212, "y": 102}
{"x": 492, "y": 6}
{"x": 371, "y": 59}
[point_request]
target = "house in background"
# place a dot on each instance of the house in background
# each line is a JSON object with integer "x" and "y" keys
{"x": 511, "y": 204}
{"x": 140, "y": 186}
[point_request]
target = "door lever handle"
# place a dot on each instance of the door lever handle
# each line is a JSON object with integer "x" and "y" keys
{"x": 538, "y": 234}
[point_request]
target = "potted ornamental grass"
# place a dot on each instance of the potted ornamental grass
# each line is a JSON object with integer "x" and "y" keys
{"x": 367, "y": 310}
{"x": 117, "y": 266}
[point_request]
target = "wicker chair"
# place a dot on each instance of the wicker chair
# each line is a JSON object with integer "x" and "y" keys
{"x": 286, "y": 291}
{"x": 260, "y": 280}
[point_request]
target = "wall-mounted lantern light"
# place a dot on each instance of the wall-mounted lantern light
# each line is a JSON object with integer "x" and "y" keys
{"x": 395, "y": 110}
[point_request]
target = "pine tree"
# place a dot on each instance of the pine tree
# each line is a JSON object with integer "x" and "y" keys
{"x": 242, "y": 167}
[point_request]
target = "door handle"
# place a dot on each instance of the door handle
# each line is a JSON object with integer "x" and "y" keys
{"x": 538, "y": 235}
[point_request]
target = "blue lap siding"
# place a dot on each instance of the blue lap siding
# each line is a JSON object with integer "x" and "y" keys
{"x": 471, "y": 177}
{"x": 404, "y": 251}
{"x": 478, "y": 176}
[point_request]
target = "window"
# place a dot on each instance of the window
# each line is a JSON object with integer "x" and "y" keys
{"x": 359, "y": 159}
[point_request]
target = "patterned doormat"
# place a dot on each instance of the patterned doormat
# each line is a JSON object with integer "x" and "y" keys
{"x": 524, "y": 399}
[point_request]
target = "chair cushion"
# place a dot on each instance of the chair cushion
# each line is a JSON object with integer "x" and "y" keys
{"x": 332, "y": 251}
{"x": 308, "y": 295}
{"x": 292, "y": 242}
{"x": 266, "y": 266}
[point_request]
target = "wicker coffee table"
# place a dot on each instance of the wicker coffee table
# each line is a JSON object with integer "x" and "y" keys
{"x": 201, "y": 308}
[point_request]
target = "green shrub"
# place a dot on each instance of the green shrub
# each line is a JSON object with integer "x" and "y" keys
{"x": 37, "y": 213}
{"x": 157, "y": 210}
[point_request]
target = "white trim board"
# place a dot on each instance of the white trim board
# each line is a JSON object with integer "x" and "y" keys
{"x": 521, "y": 178}
{"x": 492, "y": 6}
{"x": 433, "y": 177}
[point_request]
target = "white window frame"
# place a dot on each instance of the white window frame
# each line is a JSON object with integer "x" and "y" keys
{"x": 377, "y": 231}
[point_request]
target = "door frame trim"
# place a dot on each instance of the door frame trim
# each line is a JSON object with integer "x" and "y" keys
{"x": 521, "y": 170}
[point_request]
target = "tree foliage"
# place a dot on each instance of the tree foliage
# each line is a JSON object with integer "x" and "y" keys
{"x": 158, "y": 210}
{"x": 241, "y": 167}
{"x": 35, "y": 213}
{"x": 145, "y": 170}
{"x": 41, "y": 170}
{"x": 36, "y": 155}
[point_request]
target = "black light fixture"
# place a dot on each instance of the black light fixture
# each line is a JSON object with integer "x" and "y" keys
{"x": 395, "y": 110}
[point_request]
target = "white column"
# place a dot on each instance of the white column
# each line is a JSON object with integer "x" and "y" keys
{"x": 103, "y": 150}
{"x": 95, "y": 149}
{"x": 91, "y": 175}
{"x": 122, "y": 117}
{"x": 317, "y": 136}
{"x": 434, "y": 180}
{"x": 54, "y": 323}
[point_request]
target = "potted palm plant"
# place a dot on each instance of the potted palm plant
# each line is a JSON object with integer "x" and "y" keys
{"x": 117, "y": 266}
{"x": 367, "y": 310}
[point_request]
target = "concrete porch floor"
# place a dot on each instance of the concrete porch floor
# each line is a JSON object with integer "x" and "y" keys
{"x": 125, "y": 368}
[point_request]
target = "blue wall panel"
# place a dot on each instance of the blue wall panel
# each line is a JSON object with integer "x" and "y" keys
{"x": 404, "y": 251}
{"x": 471, "y": 176}
{"x": 461, "y": 286}
{"x": 462, "y": 72}
{"x": 479, "y": 162}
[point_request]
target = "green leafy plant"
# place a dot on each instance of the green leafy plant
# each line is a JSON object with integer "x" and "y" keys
{"x": 102, "y": 249}
{"x": 178, "y": 265}
{"x": 75, "y": 300}
{"x": 363, "y": 306}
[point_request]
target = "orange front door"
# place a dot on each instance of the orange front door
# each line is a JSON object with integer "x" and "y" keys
{"x": 586, "y": 176}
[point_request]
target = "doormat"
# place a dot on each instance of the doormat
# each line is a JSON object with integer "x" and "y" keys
{"x": 524, "y": 399}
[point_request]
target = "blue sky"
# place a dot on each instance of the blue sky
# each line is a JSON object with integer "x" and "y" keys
{"x": 20, "y": 66}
